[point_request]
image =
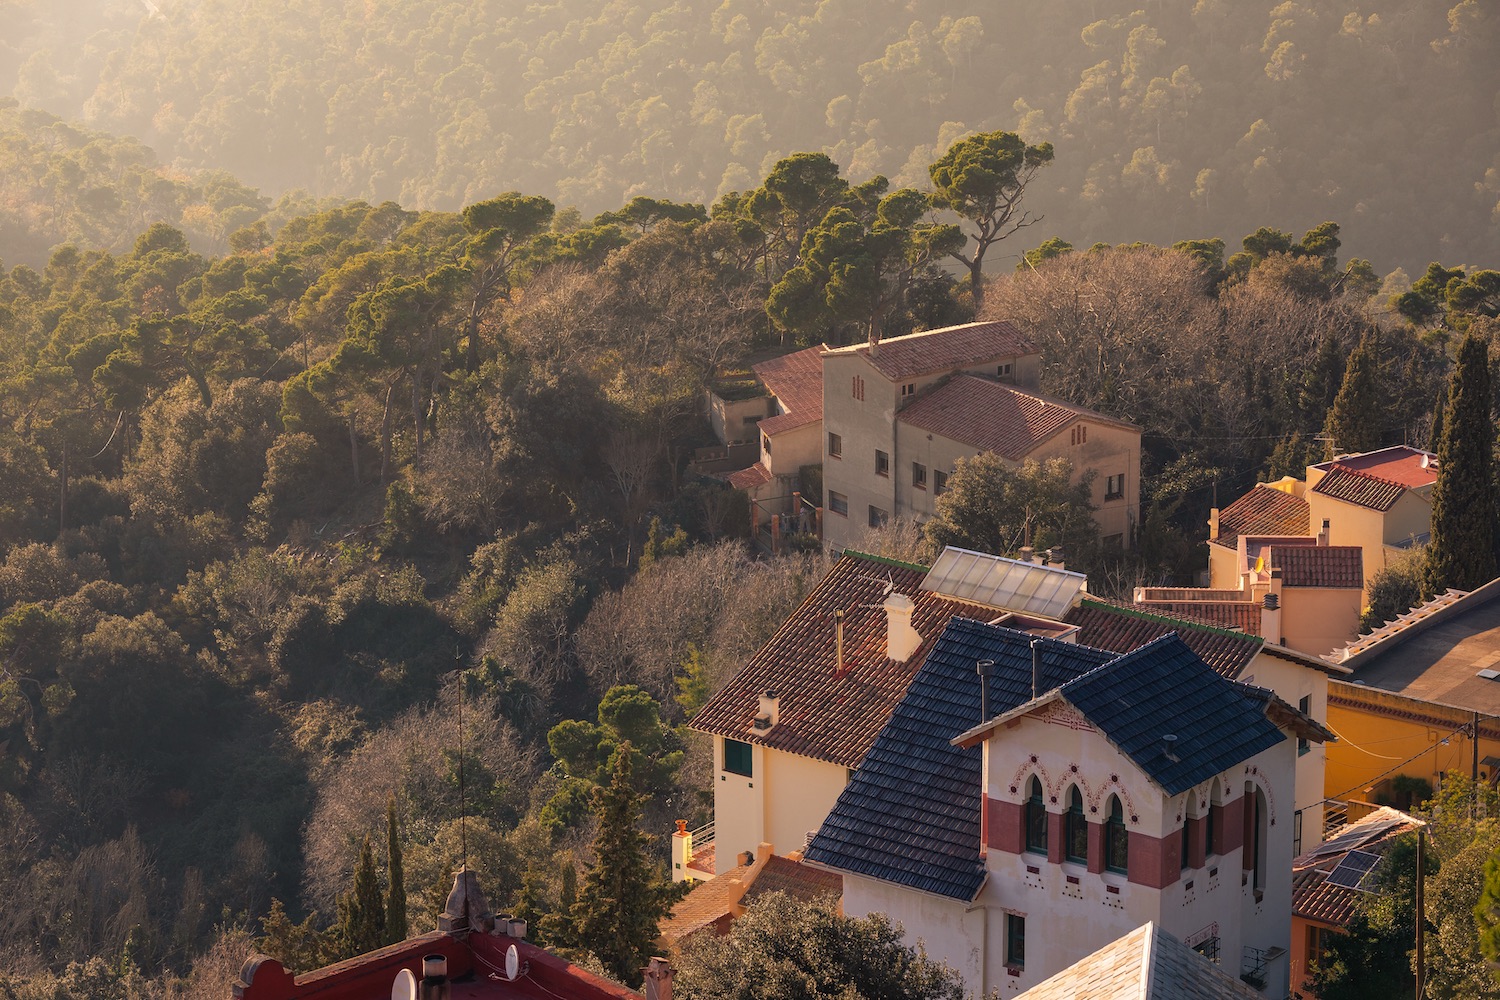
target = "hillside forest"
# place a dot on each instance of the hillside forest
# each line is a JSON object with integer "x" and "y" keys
{"x": 1207, "y": 116}
{"x": 366, "y": 510}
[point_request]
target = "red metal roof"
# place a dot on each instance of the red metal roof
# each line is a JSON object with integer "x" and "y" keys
{"x": 1333, "y": 566}
{"x": 1362, "y": 488}
{"x": 1125, "y": 628}
{"x": 994, "y": 417}
{"x": 824, "y": 712}
{"x": 1265, "y": 510}
{"x": 943, "y": 350}
{"x": 1403, "y": 465}
{"x": 796, "y": 380}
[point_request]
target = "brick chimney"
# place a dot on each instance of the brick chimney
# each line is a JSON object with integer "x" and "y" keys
{"x": 901, "y": 639}
{"x": 658, "y": 984}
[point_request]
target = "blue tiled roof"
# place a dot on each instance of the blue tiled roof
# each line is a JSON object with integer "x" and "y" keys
{"x": 910, "y": 814}
{"x": 1164, "y": 688}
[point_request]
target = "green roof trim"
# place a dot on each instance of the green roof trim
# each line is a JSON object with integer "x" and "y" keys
{"x": 1170, "y": 620}
{"x": 886, "y": 560}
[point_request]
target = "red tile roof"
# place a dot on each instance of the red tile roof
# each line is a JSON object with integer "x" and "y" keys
{"x": 750, "y": 477}
{"x": 1265, "y": 510}
{"x": 1362, "y": 488}
{"x": 1335, "y": 566}
{"x": 944, "y": 350}
{"x": 796, "y": 380}
{"x": 1410, "y": 467}
{"x": 1125, "y": 628}
{"x": 797, "y": 880}
{"x": 994, "y": 417}
{"x": 825, "y": 713}
{"x": 705, "y": 905}
{"x": 1243, "y": 615}
{"x": 1313, "y": 897}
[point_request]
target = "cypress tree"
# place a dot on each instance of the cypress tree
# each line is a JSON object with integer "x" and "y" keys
{"x": 395, "y": 892}
{"x": 1462, "y": 553}
{"x": 1358, "y": 414}
{"x": 361, "y": 925}
{"x": 623, "y": 897}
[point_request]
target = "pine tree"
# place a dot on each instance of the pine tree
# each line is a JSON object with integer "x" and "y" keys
{"x": 623, "y": 897}
{"x": 557, "y": 927}
{"x": 1462, "y": 551}
{"x": 361, "y": 925}
{"x": 1355, "y": 422}
{"x": 395, "y": 893}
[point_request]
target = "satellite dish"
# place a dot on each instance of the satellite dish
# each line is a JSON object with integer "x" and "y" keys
{"x": 405, "y": 986}
{"x": 512, "y": 964}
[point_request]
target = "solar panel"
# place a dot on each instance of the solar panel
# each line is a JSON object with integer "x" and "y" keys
{"x": 1353, "y": 869}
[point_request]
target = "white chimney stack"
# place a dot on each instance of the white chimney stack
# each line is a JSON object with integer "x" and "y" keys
{"x": 767, "y": 716}
{"x": 901, "y": 640}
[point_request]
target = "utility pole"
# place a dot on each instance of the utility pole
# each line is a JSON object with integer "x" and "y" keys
{"x": 1421, "y": 960}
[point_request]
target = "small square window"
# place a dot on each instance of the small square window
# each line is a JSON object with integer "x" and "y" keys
{"x": 918, "y": 476}
{"x": 835, "y": 445}
{"x": 1304, "y": 705}
{"x": 1114, "y": 487}
{"x": 939, "y": 482}
{"x": 878, "y": 517}
{"x": 1015, "y": 940}
{"x": 838, "y": 503}
{"x": 1002, "y": 370}
{"x": 737, "y": 758}
{"x": 909, "y": 389}
{"x": 882, "y": 463}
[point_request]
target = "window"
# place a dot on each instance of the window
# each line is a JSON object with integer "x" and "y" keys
{"x": 1015, "y": 940}
{"x": 1114, "y": 487}
{"x": 765, "y": 443}
{"x": 882, "y": 463}
{"x": 878, "y": 517}
{"x": 857, "y": 388}
{"x": 1297, "y": 833}
{"x": 908, "y": 389}
{"x": 737, "y": 758}
{"x": 1080, "y": 434}
{"x": 835, "y": 445}
{"x": 1304, "y": 705}
{"x": 838, "y": 503}
{"x": 1002, "y": 370}
{"x": 1209, "y": 949}
{"x": 1116, "y": 838}
{"x": 1075, "y": 829}
{"x": 939, "y": 481}
{"x": 1036, "y": 818}
{"x": 1187, "y": 830}
{"x": 918, "y": 476}
{"x": 1255, "y": 834}
{"x": 1210, "y": 823}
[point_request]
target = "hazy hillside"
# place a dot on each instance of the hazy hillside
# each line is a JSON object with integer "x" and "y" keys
{"x": 1210, "y": 116}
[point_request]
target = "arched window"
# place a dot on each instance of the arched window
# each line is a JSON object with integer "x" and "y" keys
{"x": 1076, "y": 830}
{"x": 1256, "y": 817}
{"x": 1116, "y": 838}
{"x": 1036, "y": 818}
{"x": 1188, "y": 808}
{"x": 1211, "y": 822}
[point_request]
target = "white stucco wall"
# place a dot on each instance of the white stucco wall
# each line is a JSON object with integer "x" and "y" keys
{"x": 786, "y": 796}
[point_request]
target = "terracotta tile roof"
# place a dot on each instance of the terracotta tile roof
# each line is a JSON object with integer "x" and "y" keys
{"x": 1263, "y": 511}
{"x": 796, "y": 380}
{"x": 750, "y": 477}
{"x": 942, "y": 350}
{"x": 1242, "y": 615}
{"x": 1146, "y": 964}
{"x": 1125, "y": 628}
{"x": 825, "y": 713}
{"x": 1337, "y": 566}
{"x": 991, "y": 416}
{"x": 1313, "y": 896}
{"x": 1362, "y": 488}
{"x": 797, "y": 880}
{"x": 704, "y": 905}
{"x": 1410, "y": 467}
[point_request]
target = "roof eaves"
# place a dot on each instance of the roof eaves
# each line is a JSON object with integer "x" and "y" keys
{"x": 971, "y": 737}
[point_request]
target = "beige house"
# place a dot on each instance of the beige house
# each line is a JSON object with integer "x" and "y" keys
{"x": 786, "y": 421}
{"x": 899, "y": 413}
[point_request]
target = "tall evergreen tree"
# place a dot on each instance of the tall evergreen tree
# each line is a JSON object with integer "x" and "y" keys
{"x": 361, "y": 925}
{"x": 395, "y": 892}
{"x": 623, "y": 897}
{"x": 1462, "y": 552}
{"x": 1358, "y": 415}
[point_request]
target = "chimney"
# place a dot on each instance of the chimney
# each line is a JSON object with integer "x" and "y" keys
{"x": 901, "y": 640}
{"x": 1169, "y": 747}
{"x": 1027, "y": 554}
{"x": 766, "y": 717}
{"x": 744, "y": 858}
{"x": 983, "y": 667}
{"x": 1270, "y": 615}
{"x": 1055, "y": 557}
{"x": 659, "y": 979}
{"x": 1036, "y": 667}
{"x": 1213, "y": 523}
{"x": 1323, "y": 534}
{"x": 682, "y": 851}
{"x": 435, "y": 985}
{"x": 838, "y": 644}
